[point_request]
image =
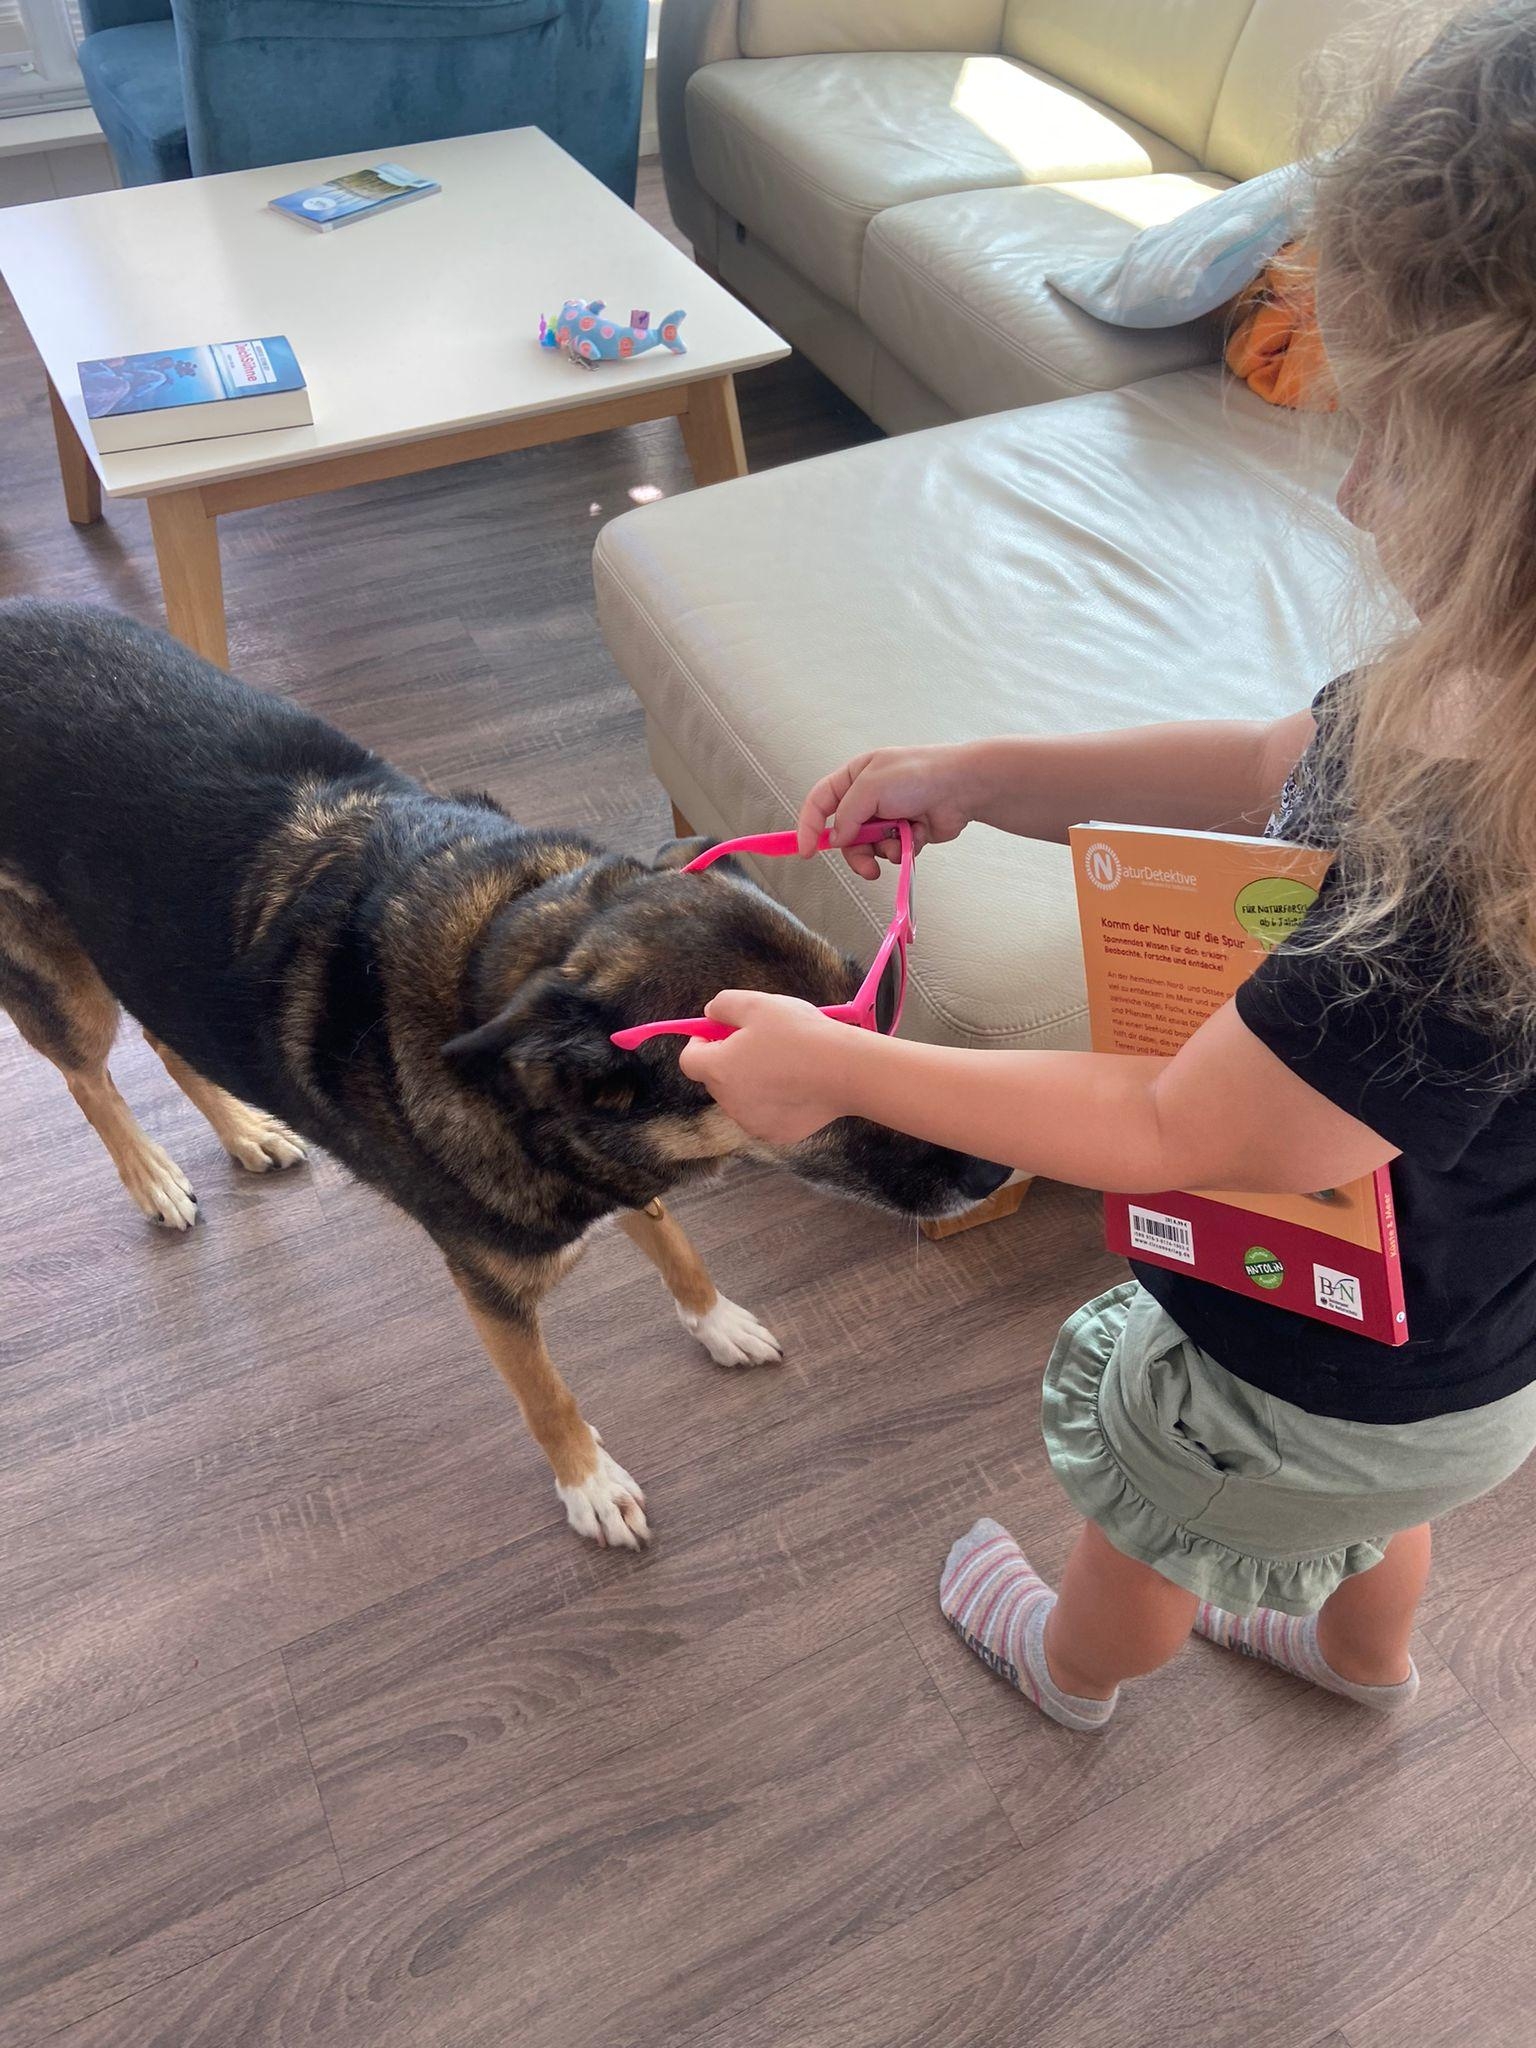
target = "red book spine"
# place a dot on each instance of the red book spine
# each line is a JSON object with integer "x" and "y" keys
{"x": 1386, "y": 1218}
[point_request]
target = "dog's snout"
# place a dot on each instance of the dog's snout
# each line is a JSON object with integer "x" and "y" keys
{"x": 982, "y": 1177}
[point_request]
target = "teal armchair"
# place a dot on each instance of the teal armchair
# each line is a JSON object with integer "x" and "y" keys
{"x": 184, "y": 87}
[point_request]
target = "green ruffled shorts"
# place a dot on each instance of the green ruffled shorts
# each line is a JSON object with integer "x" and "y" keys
{"x": 1236, "y": 1495}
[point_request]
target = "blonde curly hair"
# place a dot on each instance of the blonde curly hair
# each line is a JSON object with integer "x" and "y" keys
{"x": 1424, "y": 229}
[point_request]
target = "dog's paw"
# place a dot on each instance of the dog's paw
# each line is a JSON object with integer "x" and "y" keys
{"x": 731, "y": 1334}
{"x": 159, "y": 1186}
{"x": 608, "y": 1508}
{"x": 259, "y": 1142}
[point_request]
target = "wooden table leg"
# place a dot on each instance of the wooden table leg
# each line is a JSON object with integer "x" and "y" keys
{"x": 1003, "y": 1203}
{"x": 82, "y": 486}
{"x": 712, "y": 431}
{"x": 187, "y": 549}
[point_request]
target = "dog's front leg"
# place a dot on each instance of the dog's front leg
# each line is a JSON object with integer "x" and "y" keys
{"x": 731, "y": 1334}
{"x": 601, "y": 1501}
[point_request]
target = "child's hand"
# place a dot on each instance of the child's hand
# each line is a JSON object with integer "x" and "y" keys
{"x": 778, "y": 1076}
{"x": 929, "y": 785}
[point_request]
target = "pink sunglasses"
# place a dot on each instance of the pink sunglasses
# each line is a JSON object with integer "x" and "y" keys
{"x": 878, "y": 1004}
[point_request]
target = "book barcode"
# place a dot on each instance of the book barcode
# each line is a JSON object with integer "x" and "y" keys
{"x": 1170, "y": 1236}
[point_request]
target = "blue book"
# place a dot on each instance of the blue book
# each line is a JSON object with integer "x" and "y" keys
{"x": 355, "y": 195}
{"x": 193, "y": 394}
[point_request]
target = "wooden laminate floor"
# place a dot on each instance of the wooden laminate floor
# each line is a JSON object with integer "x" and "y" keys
{"x": 317, "y": 1726}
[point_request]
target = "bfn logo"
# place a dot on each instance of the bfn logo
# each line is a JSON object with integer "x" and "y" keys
{"x": 1101, "y": 864}
{"x": 1337, "y": 1291}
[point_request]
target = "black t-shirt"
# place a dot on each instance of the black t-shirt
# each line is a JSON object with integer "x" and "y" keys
{"x": 1464, "y": 1185}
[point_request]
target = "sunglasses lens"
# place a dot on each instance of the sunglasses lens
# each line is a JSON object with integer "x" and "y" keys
{"x": 888, "y": 995}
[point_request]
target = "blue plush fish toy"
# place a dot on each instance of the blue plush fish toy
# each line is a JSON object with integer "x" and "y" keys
{"x": 589, "y": 339}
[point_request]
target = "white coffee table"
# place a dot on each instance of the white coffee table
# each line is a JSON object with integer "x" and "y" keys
{"x": 416, "y": 332}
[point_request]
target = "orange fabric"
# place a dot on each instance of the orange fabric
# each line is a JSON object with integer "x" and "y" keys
{"x": 1275, "y": 345}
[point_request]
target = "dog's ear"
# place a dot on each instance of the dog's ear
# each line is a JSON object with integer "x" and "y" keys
{"x": 557, "y": 1042}
{"x": 676, "y": 853}
{"x": 499, "y": 1034}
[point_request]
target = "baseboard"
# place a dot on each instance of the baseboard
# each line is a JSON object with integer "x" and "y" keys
{"x": 25, "y": 134}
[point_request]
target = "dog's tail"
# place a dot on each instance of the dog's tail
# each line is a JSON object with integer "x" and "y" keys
{"x": 669, "y": 333}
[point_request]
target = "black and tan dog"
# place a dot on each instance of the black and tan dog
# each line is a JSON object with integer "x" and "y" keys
{"x": 410, "y": 980}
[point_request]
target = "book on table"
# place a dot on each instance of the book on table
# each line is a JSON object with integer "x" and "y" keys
{"x": 1172, "y": 923}
{"x": 193, "y": 393}
{"x": 354, "y": 195}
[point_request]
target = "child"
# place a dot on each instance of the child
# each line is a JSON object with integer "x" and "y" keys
{"x": 1260, "y": 1477}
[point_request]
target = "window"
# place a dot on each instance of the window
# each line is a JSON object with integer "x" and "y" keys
{"x": 37, "y": 56}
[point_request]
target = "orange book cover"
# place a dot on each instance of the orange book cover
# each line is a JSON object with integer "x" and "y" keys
{"x": 1172, "y": 922}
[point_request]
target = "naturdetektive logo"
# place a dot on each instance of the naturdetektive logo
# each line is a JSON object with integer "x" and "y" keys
{"x": 1101, "y": 864}
{"x": 1105, "y": 869}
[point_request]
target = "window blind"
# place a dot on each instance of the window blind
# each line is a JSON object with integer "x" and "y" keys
{"x": 37, "y": 55}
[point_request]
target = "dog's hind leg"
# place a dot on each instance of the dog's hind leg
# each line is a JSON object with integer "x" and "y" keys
{"x": 600, "y": 1499}
{"x": 256, "y": 1140}
{"x": 730, "y": 1334}
{"x": 64, "y": 1010}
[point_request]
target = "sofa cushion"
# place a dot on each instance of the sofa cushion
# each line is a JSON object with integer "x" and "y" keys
{"x": 805, "y": 151}
{"x": 1254, "y": 125}
{"x": 955, "y": 288}
{"x": 792, "y": 28}
{"x": 1161, "y": 60}
{"x": 1166, "y": 551}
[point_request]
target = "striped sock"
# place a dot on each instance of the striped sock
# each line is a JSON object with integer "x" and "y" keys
{"x": 997, "y": 1604}
{"x": 1290, "y": 1640}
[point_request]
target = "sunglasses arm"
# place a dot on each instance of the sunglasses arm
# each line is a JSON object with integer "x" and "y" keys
{"x": 778, "y": 844}
{"x": 857, "y": 1012}
{"x": 636, "y": 1035}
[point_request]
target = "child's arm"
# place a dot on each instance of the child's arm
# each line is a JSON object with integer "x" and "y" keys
{"x": 1210, "y": 775}
{"x": 1223, "y": 1113}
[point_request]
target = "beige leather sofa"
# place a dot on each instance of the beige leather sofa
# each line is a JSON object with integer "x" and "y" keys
{"x": 889, "y": 181}
{"x": 1166, "y": 547}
